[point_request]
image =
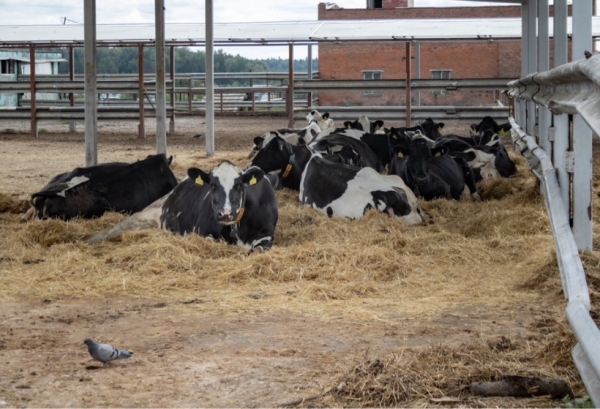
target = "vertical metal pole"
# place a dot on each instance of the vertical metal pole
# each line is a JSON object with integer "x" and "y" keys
{"x": 582, "y": 136}
{"x": 418, "y": 69}
{"x": 172, "y": 77}
{"x": 290, "y": 96}
{"x": 71, "y": 78}
{"x": 309, "y": 75}
{"x": 561, "y": 122}
{"x": 531, "y": 61}
{"x": 544, "y": 65}
{"x": 141, "y": 92}
{"x": 91, "y": 87}
{"x": 408, "y": 79}
{"x": 161, "y": 85}
{"x": 521, "y": 106}
{"x": 210, "y": 80}
{"x": 32, "y": 87}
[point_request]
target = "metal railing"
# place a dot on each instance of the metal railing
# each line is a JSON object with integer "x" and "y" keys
{"x": 572, "y": 88}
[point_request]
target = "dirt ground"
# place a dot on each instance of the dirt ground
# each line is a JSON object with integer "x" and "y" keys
{"x": 263, "y": 344}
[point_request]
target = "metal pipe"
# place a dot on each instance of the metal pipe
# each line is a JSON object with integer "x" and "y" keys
{"x": 141, "y": 93}
{"x": 210, "y": 80}
{"x": 309, "y": 76}
{"x": 161, "y": 86}
{"x": 290, "y": 96}
{"x": 408, "y": 75}
{"x": 71, "y": 77}
{"x": 172, "y": 94}
{"x": 34, "y": 128}
{"x": 91, "y": 87}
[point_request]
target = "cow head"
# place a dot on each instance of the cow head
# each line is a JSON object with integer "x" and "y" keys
{"x": 488, "y": 123}
{"x": 431, "y": 129}
{"x": 228, "y": 186}
{"x": 418, "y": 158}
{"x": 323, "y": 120}
{"x": 274, "y": 156}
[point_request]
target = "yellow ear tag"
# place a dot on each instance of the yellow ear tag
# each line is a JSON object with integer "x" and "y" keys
{"x": 348, "y": 126}
{"x": 377, "y": 128}
{"x": 400, "y": 155}
{"x": 502, "y": 131}
{"x": 199, "y": 181}
{"x": 394, "y": 136}
{"x": 438, "y": 154}
{"x": 440, "y": 128}
{"x": 252, "y": 181}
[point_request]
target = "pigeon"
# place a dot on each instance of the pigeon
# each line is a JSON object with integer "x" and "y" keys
{"x": 105, "y": 352}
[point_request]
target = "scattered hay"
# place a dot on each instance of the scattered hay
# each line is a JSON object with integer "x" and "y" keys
{"x": 444, "y": 373}
{"x": 10, "y": 205}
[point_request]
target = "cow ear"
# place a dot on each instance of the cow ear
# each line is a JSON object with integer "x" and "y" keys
{"x": 347, "y": 124}
{"x": 474, "y": 127}
{"x": 439, "y": 151}
{"x": 399, "y": 151}
{"x": 252, "y": 176}
{"x": 440, "y": 126}
{"x": 258, "y": 140}
{"x": 505, "y": 127}
{"x": 198, "y": 176}
{"x": 280, "y": 143}
{"x": 378, "y": 125}
{"x": 325, "y": 115}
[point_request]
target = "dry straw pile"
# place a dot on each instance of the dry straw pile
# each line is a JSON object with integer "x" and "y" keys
{"x": 497, "y": 253}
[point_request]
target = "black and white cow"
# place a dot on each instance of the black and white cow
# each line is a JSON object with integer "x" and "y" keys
{"x": 432, "y": 174}
{"x": 364, "y": 124}
{"x": 338, "y": 190}
{"x": 334, "y": 142}
{"x": 324, "y": 122}
{"x": 286, "y": 161}
{"x": 489, "y": 124}
{"x": 226, "y": 203}
{"x": 90, "y": 191}
{"x": 294, "y": 136}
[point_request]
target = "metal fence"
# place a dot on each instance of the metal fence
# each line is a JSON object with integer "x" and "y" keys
{"x": 572, "y": 89}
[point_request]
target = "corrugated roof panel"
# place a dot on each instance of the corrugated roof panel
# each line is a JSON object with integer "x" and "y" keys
{"x": 277, "y": 32}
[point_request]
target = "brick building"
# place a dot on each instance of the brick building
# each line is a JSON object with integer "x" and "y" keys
{"x": 438, "y": 60}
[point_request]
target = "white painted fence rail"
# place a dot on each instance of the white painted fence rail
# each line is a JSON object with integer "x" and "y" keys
{"x": 572, "y": 88}
{"x": 586, "y": 353}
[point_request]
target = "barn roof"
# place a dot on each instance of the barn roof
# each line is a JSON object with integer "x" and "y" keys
{"x": 283, "y": 32}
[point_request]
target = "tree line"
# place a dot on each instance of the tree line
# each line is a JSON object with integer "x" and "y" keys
{"x": 124, "y": 60}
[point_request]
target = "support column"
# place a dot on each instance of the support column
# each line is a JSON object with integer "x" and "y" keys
{"x": 561, "y": 122}
{"x": 309, "y": 75}
{"x": 290, "y": 92}
{"x": 91, "y": 86}
{"x": 531, "y": 61}
{"x": 210, "y": 80}
{"x": 71, "y": 79}
{"x": 32, "y": 87}
{"x": 544, "y": 65}
{"x": 172, "y": 77}
{"x": 161, "y": 86}
{"x": 141, "y": 93}
{"x": 521, "y": 106}
{"x": 418, "y": 69}
{"x": 408, "y": 79}
{"x": 582, "y": 136}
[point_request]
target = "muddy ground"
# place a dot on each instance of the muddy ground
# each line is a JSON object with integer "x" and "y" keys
{"x": 233, "y": 347}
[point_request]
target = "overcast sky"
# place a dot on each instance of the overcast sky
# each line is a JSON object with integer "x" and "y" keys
{"x": 187, "y": 11}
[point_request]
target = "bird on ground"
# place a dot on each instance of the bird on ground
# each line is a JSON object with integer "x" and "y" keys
{"x": 105, "y": 352}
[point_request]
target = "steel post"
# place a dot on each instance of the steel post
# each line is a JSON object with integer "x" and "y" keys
{"x": 91, "y": 86}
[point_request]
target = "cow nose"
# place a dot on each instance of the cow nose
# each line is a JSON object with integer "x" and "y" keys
{"x": 421, "y": 181}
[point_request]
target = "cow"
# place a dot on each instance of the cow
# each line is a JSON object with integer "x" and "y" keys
{"x": 428, "y": 128}
{"x": 430, "y": 173}
{"x": 338, "y": 190}
{"x": 335, "y": 142}
{"x": 91, "y": 191}
{"x": 294, "y": 136}
{"x": 281, "y": 158}
{"x": 322, "y": 120}
{"x": 226, "y": 203}
{"x": 489, "y": 124}
{"x": 364, "y": 124}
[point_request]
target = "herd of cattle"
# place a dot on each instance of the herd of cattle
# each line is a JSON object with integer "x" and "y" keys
{"x": 340, "y": 172}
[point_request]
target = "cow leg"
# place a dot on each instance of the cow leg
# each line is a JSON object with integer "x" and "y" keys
{"x": 469, "y": 176}
{"x": 146, "y": 219}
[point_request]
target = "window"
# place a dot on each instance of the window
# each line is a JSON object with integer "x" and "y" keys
{"x": 372, "y": 75}
{"x": 440, "y": 74}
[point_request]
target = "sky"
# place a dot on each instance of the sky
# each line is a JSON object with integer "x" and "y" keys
{"x": 34, "y": 12}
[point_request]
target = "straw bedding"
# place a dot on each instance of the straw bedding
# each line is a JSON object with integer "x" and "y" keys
{"x": 472, "y": 256}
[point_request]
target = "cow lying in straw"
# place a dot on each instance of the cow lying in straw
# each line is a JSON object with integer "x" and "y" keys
{"x": 226, "y": 203}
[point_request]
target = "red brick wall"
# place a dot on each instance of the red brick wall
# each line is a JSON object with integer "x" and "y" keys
{"x": 390, "y": 4}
